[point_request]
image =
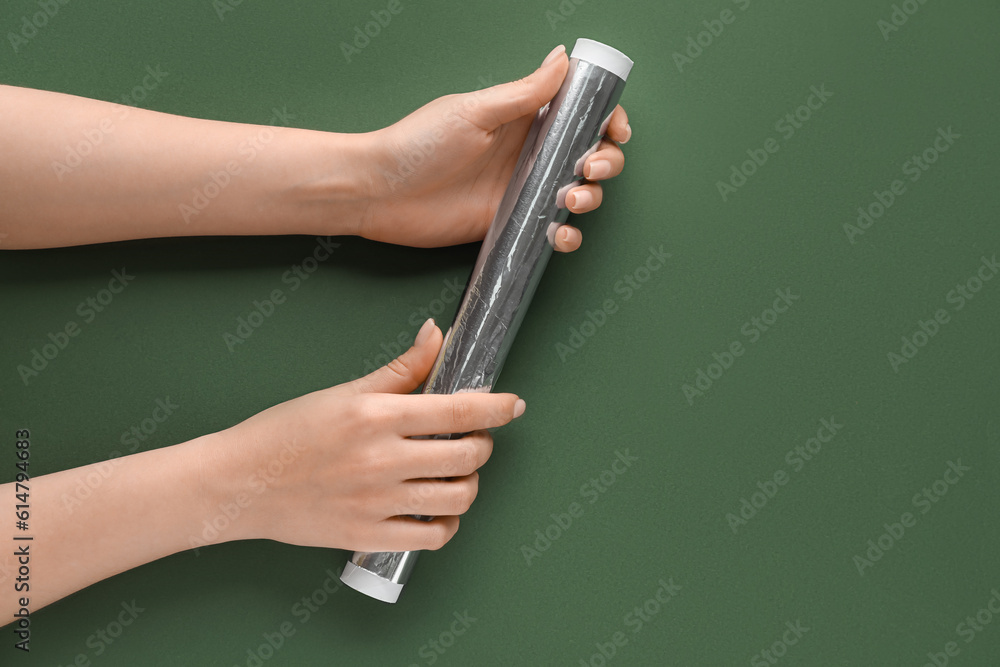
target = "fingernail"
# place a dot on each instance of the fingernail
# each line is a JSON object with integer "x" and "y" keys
{"x": 424, "y": 333}
{"x": 582, "y": 198}
{"x": 554, "y": 54}
{"x": 599, "y": 169}
{"x": 519, "y": 407}
{"x": 628, "y": 133}
{"x": 569, "y": 239}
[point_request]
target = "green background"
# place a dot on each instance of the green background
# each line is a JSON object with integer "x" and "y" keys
{"x": 665, "y": 517}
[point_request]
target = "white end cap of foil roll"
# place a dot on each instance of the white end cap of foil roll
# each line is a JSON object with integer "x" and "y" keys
{"x": 604, "y": 56}
{"x": 370, "y": 584}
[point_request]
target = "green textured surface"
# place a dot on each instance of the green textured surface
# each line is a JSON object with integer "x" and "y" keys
{"x": 666, "y": 516}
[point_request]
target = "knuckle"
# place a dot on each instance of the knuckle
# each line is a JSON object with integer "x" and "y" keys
{"x": 524, "y": 88}
{"x": 370, "y": 463}
{"x": 502, "y": 413}
{"x": 461, "y": 412}
{"x": 487, "y": 447}
{"x": 442, "y": 533}
{"x": 426, "y": 489}
{"x": 467, "y": 493}
{"x": 367, "y": 409}
{"x": 449, "y": 469}
{"x": 351, "y": 420}
{"x": 468, "y": 456}
{"x": 399, "y": 367}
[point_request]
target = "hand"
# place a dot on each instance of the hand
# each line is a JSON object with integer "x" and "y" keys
{"x": 349, "y": 474}
{"x": 467, "y": 147}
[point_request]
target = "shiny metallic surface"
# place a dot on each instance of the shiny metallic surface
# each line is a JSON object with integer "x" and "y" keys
{"x": 394, "y": 566}
{"x": 515, "y": 251}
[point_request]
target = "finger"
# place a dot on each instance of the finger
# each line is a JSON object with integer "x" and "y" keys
{"x": 584, "y": 198}
{"x": 618, "y": 129}
{"x": 438, "y": 497}
{"x": 606, "y": 162}
{"x": 404, "y": 373}
{"x": 490, "y": 108}
{"x": 428, "y": 459}
{"x": 568, "y": 239}
{"x": 405, "y": 533}
{"x": 434, "y": 414}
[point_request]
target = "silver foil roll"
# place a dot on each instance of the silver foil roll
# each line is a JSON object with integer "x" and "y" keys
{"x": 513, "y": 257}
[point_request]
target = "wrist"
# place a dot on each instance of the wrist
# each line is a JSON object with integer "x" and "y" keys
{"x": 331, "y": 193}
{"x": 225, "y": 497}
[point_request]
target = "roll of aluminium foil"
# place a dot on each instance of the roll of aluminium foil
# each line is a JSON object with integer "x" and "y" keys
{"x": 513, "y": 257}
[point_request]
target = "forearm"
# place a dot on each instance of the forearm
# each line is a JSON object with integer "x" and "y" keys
{"x": 137, "y": 509}
{"x": 77, "y": 171}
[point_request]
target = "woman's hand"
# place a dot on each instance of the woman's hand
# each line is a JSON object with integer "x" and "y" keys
{"x": 339, "y": 468}
{"x": 335, "y": 468}
{"x": 445, "y": 167}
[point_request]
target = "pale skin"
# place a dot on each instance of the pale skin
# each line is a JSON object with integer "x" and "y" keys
{"x": 350, "y": 474}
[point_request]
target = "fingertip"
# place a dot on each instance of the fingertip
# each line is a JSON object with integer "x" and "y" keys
{"x": 554, "y": 55}
{"x": 619, "y": 129}
{"x": 580, "y": 200}
{"x": 550, "y": 74}
{"x": 425, "y": 332}
{"x": 511, "y": 407}
{"x": 568, "y": 239}
{"x": 597, "y": 169}
{"x": 447, "y": 526}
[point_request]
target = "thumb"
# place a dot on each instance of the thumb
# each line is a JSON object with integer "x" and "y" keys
{"x": 404, "y": 373}
{"x": 492, "y": 107}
